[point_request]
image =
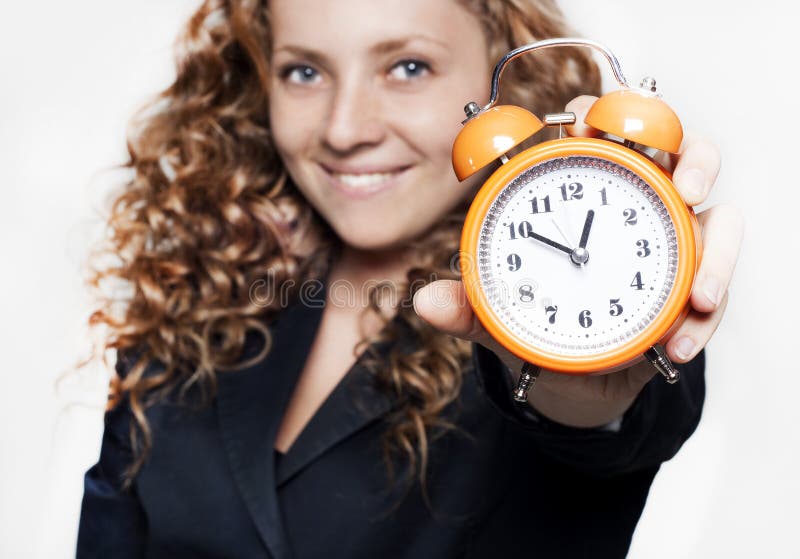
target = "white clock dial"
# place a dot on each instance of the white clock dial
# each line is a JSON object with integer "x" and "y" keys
{"x": 566, "y": 298}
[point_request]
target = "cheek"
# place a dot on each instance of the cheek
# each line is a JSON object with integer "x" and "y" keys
{"x": 431, "y": 132}
{"x": 285, "y": 137}
{"x": 292, "y": 126}
{"x": 291, "y": 138}
{"x": 434, "y": 125}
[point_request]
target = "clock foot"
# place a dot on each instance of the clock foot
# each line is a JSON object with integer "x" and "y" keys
{"x": 658, "y": 357}
{"x": 527, "y": 377}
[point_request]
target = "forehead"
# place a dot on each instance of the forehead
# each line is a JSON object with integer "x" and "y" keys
{"x": 341, "y": 25}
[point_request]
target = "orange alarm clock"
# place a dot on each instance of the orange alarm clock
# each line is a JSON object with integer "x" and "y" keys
{"x": 578, "y": 254}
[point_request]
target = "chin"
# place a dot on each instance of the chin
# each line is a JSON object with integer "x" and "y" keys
{"x": 370, "y": 242}
{"x": 374, "y": 236}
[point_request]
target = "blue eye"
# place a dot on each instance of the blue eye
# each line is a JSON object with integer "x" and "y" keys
{"x": 409, "y": 69}
{"x": 300, "y": 74}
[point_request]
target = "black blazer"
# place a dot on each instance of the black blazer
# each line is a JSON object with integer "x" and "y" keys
{"x": 506, "y": 483}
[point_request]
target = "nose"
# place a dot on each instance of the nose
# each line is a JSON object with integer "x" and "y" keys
{"x": 354, "y": 119}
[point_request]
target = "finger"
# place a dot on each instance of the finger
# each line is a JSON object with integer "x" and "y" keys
{"x": 694, "y": 333}
{"x": 580, "y": 106}
{"x": 444, "y": 305}
{"x": 696, "y": 169}
{"x": 723, "y": 227}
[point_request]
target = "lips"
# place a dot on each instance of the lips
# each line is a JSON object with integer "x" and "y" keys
{"x": 362, "y": 182}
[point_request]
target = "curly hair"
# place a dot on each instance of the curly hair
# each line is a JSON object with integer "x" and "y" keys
{"x": 209, "y": 209}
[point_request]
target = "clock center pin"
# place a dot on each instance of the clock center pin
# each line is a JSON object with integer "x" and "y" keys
{"x": 579, "y": 256}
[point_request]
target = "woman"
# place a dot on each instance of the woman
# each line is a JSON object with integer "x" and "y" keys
{"x": 278, "y": 394}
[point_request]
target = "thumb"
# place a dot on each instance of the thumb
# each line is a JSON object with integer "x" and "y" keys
{"x": 443, "y": 304}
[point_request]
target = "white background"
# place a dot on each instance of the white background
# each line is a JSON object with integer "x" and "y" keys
{"x": 72, "y": 73}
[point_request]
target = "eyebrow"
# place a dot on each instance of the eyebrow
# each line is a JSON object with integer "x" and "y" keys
{"x": 303, "y": 52}
{"x": 392, "y": 45}
{"x": 384, "y": 47}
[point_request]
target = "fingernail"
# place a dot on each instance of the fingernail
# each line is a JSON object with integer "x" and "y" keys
{"x": 712, "y": 289}
{"x": 684, "y": 347}
{"x": 693, "y": 183}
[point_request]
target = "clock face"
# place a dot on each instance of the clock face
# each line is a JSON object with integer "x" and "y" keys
{"x": 577, "y": 255}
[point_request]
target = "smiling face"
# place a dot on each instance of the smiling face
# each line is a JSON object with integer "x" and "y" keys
{"x": 366, "y": 99}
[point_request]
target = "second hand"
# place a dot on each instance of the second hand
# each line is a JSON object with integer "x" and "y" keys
{"x": 563, "y": 236}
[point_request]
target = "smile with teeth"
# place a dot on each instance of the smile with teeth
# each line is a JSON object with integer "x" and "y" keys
{"x": 364, "y": 184}
{"x": 364, "y": 180}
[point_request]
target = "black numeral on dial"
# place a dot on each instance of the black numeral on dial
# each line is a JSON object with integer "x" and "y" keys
{"x": 644, "y": 248}
{"x": 630, "y": 216}
{"x": 573, "y": 191}
{"x": 551, "y": 311}
{"x": 544, "y": 207}
{"x": 637, "y": 282}
{"x": 524, "y": 229}
{"x": 514, "y": 262}
{"x": 585, "y": 319}
{"x": 616, "y": 308}
{"x": 526, "y": 293}
{"x": 603, "y": 197}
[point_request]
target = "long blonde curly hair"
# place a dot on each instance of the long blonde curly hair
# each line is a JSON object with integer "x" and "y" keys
{"x": 209, "y": 211}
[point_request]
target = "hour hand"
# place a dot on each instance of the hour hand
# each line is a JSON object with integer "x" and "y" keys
{"x": 551, "y": 242}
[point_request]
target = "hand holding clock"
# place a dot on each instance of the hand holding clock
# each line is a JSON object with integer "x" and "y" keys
{"x": 591, "y": 400}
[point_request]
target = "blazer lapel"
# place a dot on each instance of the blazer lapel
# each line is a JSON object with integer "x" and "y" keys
{"x": 355, "y": 403}
{"x": 251, "y": 403}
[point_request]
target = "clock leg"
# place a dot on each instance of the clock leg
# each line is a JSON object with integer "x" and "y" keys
{"x": 658, "y": 357}
{"x": 527, "y": 377}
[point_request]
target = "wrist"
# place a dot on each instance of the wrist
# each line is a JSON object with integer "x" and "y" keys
{"x": 563, "y": 398}
{"x": 576, "y": 412}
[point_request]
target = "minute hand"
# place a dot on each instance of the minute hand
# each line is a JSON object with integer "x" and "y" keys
{"x": 550, "y": 242}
